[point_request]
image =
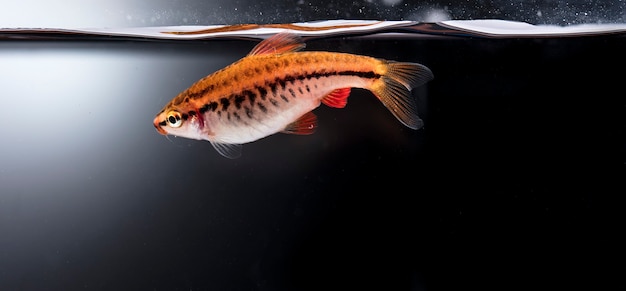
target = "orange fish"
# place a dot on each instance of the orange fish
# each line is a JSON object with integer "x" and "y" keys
{"x": 275, "y": 88}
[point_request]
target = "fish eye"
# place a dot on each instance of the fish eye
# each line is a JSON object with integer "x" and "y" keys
{"x": 173, "y": 119}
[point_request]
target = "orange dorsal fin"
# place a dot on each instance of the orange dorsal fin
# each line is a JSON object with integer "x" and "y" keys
{"x": 277, "y": 44}
{"x": 304, "y": 125}
{"x": 338, "y": 98}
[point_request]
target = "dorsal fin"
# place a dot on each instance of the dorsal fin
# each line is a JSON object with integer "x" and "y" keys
{"x": 304, "y": 125}
{"x": 283, "y": 42}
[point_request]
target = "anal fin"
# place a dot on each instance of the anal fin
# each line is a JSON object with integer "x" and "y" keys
{"x": 304, "y": 125}
{"x": 338, "y": 98}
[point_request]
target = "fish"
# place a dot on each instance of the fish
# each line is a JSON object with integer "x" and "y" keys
{"x": 276, "y": 87}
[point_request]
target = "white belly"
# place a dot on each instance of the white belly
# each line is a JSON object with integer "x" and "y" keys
{"x": 264, "y": 116}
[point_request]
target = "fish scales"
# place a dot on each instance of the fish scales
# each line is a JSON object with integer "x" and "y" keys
{"x": 284, "y": 85}
{"x": 272, "y": 70}
{"x": 282, "y": 79}
{"x": 275, "y": 89}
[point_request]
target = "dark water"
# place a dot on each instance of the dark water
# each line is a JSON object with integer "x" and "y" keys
{"x": 515, "y": 182}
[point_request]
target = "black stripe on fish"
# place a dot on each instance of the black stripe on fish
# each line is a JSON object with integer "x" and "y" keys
{"x": 282, "y": 82}
{"x": 262, "y": 93}
{"x": 366, "y": 75}
{"x": 262, "y": 107}
{"x": 225, "y": 103}
{"x": 211, "y": 105}
{"x": 238, "y": 100}
{"x": 273, "y": 86}
{"x": 238, "y": 118}
{"x": 317, "y": 75}
{"x": 289, "y": 78}
{"x": 251, "y": 96}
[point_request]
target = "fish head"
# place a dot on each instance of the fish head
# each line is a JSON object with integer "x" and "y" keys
{"x": 183, "y": 122}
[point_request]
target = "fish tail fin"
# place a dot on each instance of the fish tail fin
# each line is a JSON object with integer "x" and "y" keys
{"x": 393, "y": 89}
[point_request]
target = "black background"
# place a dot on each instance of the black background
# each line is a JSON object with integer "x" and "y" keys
{"x": 515, "y": 182}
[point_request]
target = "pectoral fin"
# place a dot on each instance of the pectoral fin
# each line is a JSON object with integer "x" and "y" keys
{"x": 231, "y": 151}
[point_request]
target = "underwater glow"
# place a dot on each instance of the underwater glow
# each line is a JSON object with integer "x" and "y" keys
{"x": 55, "y": 99}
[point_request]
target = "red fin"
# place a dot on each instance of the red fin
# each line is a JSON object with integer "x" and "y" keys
{"x": 337, "y": 98}
{"x": 278, "y": 44}
{"x": 306, "y": 124}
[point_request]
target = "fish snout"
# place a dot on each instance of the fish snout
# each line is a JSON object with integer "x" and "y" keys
{"x": 159, "y": 126}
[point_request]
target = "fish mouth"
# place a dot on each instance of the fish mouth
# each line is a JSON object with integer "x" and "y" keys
{"x": 158, "y": 127}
